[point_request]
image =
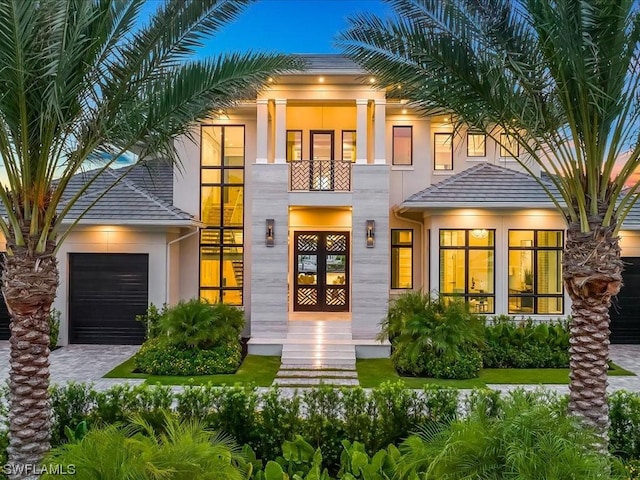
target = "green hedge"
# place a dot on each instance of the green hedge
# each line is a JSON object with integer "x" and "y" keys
{"x": 158, "y": 356}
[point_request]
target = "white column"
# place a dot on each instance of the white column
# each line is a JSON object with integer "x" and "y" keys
{"x": 262, "y": 130}
{"x": 361, "y": 130}
{"x": 379, "y": 134}
{"x": 281, "y": 130}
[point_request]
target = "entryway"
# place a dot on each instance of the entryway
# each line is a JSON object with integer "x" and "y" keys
{"x": 321, "y": 271}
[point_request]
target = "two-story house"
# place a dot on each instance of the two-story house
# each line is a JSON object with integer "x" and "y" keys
{"x": 320, "y": 200}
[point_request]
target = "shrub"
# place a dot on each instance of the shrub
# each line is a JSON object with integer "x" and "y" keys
{"x": 434, "y": 336}
{"x": 159, "y": 356}
{"x": 198, "y": 324}
{"x": 531, "y": 437}
{"x": 624, "y": 432}
{"x": 179, "y": 450}
{"x": 151, "y": 320}
{"x": 71, "y": 404}
{"x": 54, "y": 328}
{"x": 524, "y": 344}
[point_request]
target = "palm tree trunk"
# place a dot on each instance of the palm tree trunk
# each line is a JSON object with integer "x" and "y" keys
{"x": 29, "y": 286}
{"x": 592, "y": 272}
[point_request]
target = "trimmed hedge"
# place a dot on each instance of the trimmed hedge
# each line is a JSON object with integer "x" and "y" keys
{"x": 159, "y": 356}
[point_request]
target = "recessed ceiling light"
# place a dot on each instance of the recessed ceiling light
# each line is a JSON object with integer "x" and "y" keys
{"x": 321, "y": 79}
{"x": 270, "y": 79}
{"x": 372, "y": 80}
{"x": 404, "y": 110}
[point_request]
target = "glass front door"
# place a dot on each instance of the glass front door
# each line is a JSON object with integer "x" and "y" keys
{"x": 321, "y": 271}
{"x": 321, "y": 175}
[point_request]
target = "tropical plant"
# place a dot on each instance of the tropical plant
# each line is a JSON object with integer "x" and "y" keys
{"x": 531, "y": 437}
{"x": 561, "y": 78}
{"x": 434, "y": 336}
{"x": 82, "y": 78}
{"x": 198, "y": 324}
{"x": 178, "y": 450}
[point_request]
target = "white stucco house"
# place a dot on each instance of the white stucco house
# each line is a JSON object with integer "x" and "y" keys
{"x": 321, "y": 199}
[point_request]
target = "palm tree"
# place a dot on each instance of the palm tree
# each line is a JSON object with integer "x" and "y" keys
{"x": 561, "y": 77}
{"x": 79, "y": 78}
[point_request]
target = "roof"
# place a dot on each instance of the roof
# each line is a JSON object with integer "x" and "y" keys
{"x": 330, "y": 63}
{"x": 484, "y": 185}
{"x": 142, "y": 197}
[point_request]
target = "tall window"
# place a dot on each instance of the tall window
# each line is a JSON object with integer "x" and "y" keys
{"x": 476, "y": 144}
{"x": 443, "y": 151}
{"x": 222, "y": 210}
{"x": 402, "y": 145}
{"x": 535, "y": 271}
{"x": 467, "y": 267}
{"x": 294, "y": 145}
{"x": 401, "y": 258}
{"x": 349, "y": 145}
{"x": 509, "y": 146}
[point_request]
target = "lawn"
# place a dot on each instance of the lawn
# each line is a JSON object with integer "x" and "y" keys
{"x": 255, "y": 369}
{"x": 372, "y": 372}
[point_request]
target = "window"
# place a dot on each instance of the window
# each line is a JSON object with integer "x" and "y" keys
{"x": 401, "y": 258}
{"x": 222, "y": 210}
{"x": 467, "y": 267}
{"x": 402, "y": 145}
{"x": 509, "y": 146}
{"x": 443, "y": 151}
{"x": 349, "y": 145}
{"x": 535, "y": 271}
{"x": 294, "y": 145}
{"x": 476, "y": 144}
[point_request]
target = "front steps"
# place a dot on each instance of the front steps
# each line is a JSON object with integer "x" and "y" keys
{"x": 318, "y": 352}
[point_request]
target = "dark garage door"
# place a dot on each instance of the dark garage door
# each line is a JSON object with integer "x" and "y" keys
{"x": 4, "y": 316}
{"x": 106, "y": 292}
{"x": 625, "y": 311}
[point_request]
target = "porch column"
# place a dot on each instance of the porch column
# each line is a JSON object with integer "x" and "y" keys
{"x": 281, "y": 130}
{"x": 361, "y": 130}
{"x": 262, "y": 129}
{"x": 379, "y": 149}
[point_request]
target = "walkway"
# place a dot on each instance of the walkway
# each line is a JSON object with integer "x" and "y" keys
{"x": 88, "y": 363}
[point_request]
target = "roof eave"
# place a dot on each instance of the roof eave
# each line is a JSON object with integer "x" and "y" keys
{"x": 134, "y": 222}
{"x": 406, "y": 206}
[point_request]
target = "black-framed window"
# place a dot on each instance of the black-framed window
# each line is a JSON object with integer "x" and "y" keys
{"x": 509, "y": 146}
{"x": 222, "y": 210}
{"x": 402, "y": 258}
{"x": 349, "y": 145}
{"x": 402, "y": 145}
{"x": 443, "y": 151}
{"x": 535, "y": 271}
{"x": 476, "y": 144}
{"x": 294, "y": 145}
{"x": 467, "y": 267}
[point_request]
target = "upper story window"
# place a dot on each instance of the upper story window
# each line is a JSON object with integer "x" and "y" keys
{"x": 509, "y": 146}
{"x": 349, "y": 145}
{"x": 535, "y": 271}
{"x": 401, "y": 258}
{"x": 467, "y": 260}
{"x": 294, "y": 145}
{"x": 443, "y": 151}
{"x": 402, "y": 145}
{"x": 476, "y": 144}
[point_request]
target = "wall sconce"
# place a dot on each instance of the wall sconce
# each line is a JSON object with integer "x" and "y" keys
{"x": 371, "y": 233}
{"x": 269, "y": 234}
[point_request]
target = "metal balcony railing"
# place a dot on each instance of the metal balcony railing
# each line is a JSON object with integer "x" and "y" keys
{"x": 320, "y": 175}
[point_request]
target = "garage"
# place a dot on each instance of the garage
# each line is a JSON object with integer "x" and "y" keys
{"x": 106, "y": 292}
{"x": 625, "y": 311}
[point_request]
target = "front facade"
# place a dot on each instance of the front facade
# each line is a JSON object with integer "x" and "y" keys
{"x": 319, "y": 200}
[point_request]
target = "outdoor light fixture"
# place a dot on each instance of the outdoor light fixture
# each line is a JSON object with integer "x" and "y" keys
{"x": 371, "y": 233}
{"x": 269, "y": 234}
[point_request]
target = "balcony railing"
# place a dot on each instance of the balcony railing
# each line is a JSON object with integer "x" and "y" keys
{"x": 320, "y": 175}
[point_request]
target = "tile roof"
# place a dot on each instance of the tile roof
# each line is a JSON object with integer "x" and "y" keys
{"x": 141, "y": 197}
{"x": 486, "y": 185}
{"x": 330, "y": 63}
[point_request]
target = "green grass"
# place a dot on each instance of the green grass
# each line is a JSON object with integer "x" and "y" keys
{"x": 373, "y": 372}
{"x": 255, "y": 369}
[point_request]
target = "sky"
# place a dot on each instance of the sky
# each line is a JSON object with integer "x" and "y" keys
{"x": 289, "y": 26}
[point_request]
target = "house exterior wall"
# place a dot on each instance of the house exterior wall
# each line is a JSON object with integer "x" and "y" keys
{"x": 113, "y": 239}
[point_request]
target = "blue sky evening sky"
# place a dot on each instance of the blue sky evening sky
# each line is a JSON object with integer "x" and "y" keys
{"x": 289, "y": 26}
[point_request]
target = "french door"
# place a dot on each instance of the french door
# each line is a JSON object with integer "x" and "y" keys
{"x": 321, "y": 271}
{"x": 321, "y": 165}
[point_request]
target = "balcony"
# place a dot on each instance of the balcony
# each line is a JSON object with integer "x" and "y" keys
{"x": 320, "y": 176}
